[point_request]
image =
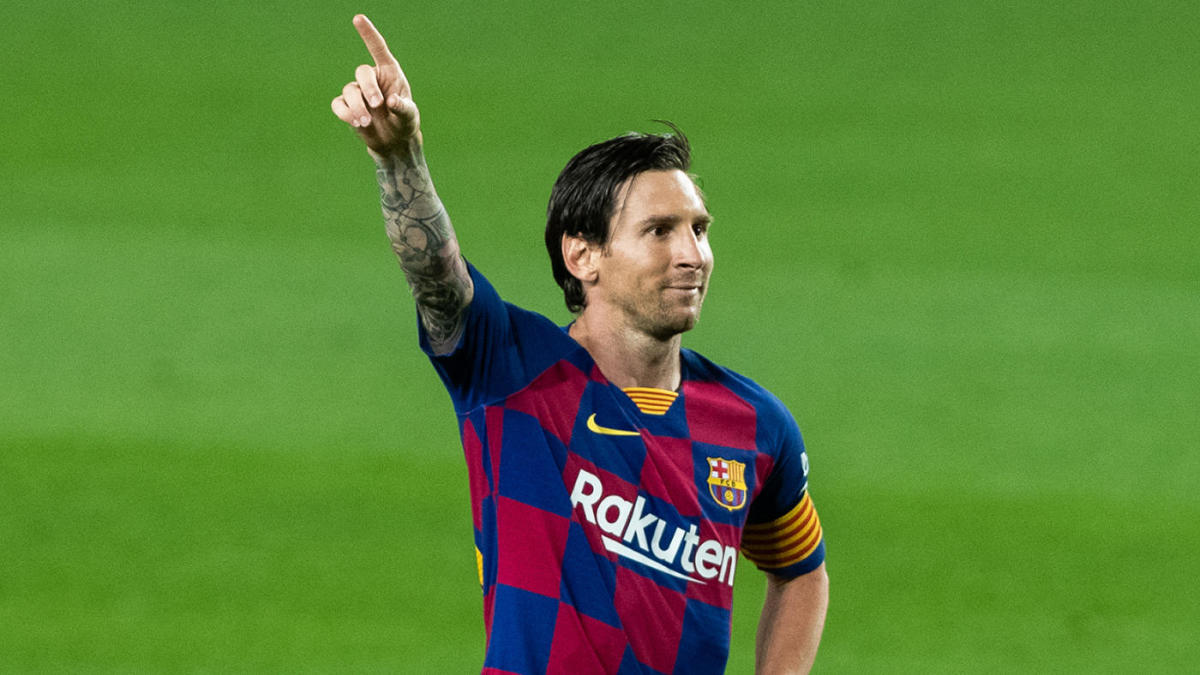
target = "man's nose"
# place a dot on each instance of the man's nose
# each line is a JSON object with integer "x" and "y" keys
{"x": 689, "y": 250}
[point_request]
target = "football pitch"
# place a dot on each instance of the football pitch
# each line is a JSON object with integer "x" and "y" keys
{"x": 958, "y": 240}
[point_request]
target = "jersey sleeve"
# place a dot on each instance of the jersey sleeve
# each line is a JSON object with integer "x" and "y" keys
{"x": 502, "y": 347}
{"x": 783, "y": 533}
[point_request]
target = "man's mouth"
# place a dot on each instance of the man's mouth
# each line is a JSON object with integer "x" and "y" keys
{"x": 686, "y": 284}
{"x": 689, "y": 291}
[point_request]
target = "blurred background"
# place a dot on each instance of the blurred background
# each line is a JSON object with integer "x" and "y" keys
{"x": 958, "y": 239}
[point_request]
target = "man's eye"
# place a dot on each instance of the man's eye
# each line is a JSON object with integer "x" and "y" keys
{"x": 700, "y": 229}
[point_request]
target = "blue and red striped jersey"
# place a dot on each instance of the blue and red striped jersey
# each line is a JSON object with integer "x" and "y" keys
{"x": 608, "y": 522}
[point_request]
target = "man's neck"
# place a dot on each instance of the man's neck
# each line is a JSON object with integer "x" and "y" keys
{"x": 628, "y": 357}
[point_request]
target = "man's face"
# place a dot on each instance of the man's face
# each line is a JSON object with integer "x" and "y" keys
{"x": 657, "y": 262}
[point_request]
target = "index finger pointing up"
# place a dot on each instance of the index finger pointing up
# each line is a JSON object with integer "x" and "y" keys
{"x": 374, "y": 41}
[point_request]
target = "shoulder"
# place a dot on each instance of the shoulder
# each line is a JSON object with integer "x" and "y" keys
{"x": 522, "y": 322}
{"x": 500, "y": 350}
{"x": 766, "y": 404}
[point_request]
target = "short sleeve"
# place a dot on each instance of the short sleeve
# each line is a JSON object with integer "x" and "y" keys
{"x": 783, "y": 533}
{"x": 501, "y": 349}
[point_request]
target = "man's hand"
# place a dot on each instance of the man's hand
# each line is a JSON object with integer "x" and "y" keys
{"x": 378, "y": 103}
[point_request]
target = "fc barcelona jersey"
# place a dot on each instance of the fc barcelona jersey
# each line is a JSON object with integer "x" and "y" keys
{"x": 608, "y": 522}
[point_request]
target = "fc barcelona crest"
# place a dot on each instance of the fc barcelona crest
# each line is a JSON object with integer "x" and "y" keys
{"x": 727, "y": 482}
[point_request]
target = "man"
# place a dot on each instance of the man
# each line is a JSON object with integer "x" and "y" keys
{"x": 614, "y": 475}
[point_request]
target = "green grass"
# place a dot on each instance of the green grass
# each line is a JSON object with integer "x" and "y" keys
{"x": 156, "y": 557}
{"x": 957, "y": 240}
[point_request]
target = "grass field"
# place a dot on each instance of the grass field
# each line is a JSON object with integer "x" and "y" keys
{"x": 959, "y": 241}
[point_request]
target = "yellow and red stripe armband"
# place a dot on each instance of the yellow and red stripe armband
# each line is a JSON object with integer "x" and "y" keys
{"x": 785, "y": 541}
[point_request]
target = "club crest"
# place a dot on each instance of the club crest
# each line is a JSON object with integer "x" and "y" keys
{"x": 727, "y": 482}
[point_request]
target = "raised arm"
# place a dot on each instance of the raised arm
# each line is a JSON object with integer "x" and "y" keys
{"x": 379, "y": 106}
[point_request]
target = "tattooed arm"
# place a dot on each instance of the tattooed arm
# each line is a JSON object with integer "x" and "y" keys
{"x": 379, "y": 106}
{"x": 424, "y": 241}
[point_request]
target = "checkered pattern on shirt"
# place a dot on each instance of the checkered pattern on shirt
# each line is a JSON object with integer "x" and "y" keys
{"x": 555, "y": 600}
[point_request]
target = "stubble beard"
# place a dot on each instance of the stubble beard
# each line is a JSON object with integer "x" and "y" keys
{"x": 665, "y": 319}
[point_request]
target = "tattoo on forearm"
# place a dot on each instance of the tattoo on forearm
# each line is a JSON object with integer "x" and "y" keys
{"x": 424, "y": 241}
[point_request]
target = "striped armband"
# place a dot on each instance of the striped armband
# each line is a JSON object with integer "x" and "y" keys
{"x": 785, "y": 541}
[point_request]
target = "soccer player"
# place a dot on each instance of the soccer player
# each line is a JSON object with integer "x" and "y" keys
{"x": 614, "y": 475}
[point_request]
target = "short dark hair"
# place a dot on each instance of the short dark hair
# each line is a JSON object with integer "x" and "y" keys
{"x": 584, "y": 197}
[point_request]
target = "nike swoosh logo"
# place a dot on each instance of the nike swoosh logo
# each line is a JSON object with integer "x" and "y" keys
{"x": 591, "y": 424}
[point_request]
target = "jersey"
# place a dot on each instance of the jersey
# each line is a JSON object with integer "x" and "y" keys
{"x": 608, "y": 522}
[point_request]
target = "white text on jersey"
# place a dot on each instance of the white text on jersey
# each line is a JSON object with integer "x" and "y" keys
{"x": 627, "y": 524}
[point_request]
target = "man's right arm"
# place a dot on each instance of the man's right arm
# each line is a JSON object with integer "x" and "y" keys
{"x": 378, "y": 105}
{"x": 424, "y": 242}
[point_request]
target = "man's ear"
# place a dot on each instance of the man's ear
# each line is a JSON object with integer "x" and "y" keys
{"x": 580, "y": 257}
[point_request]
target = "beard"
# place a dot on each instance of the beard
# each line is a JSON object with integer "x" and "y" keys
{"x": 669, "y": 314}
